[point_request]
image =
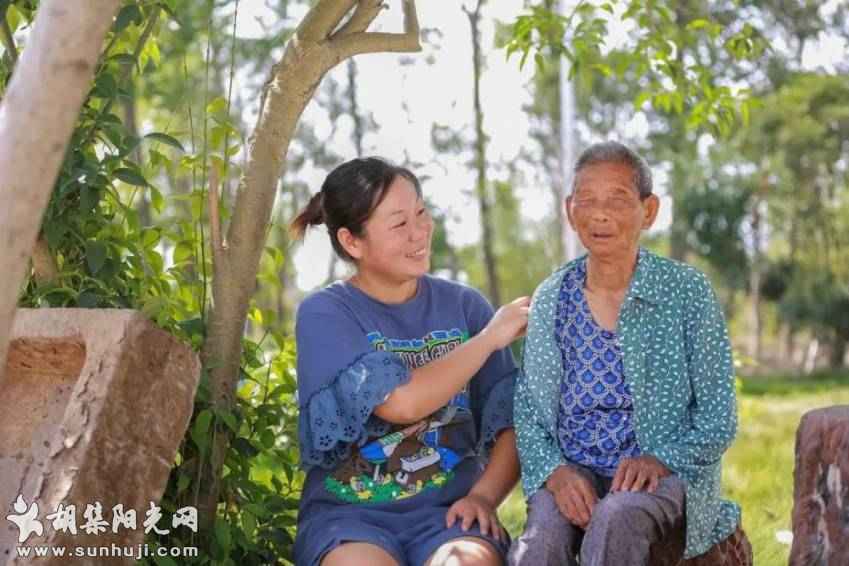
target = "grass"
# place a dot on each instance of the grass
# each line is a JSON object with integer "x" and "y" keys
{"x": 758, "y": 468}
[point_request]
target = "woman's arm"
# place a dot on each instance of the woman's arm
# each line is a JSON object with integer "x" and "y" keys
{"x": 711, "y": 373}
{"x": 430, "y": 387}
{"x": 501, "y": 472}
{"x": 481, "y": 503}
{"x": 540, "y": 454}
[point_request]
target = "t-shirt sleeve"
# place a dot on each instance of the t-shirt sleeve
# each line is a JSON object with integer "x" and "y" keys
{"x": 492, "y": 388}
{"x": 341, "y": 379}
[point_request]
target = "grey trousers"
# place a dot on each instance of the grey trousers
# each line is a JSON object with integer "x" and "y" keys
{"x": 622, "y": 527}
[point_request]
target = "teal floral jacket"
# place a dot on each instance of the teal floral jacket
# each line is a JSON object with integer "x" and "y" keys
{"x": 678, "y": 364}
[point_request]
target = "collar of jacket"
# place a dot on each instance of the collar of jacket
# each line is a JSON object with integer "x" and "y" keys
{"x": 542, "y": 364}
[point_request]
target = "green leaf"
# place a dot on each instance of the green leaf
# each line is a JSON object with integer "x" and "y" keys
{"x": 183, "y": 482}
{"x": 130, "y": 177}
{"x": 192, "y": 327}
{"x": 150, "y": 53}
{"x": 184, "y": 251}
{"x": 150, "y": 237}
{"x": 123, "y": 58}
{"x": 641, "y": 99}
{"x": 200, "y": 430}
{"x": 222, "y": 535}
{"x": 156, "y": 199}
{"x": 87, "y": 300}
{"x": 95, "y": 255}
{"x": 229, "y": 419}
{"x": 166, "y": 139}
{"x": 128, "y": 15}
{"x": 55, "y": 231}
{"x": 217, "y": 106}
{"x": 248, "y": 522}
{"x": 267, "y": 438}
{"x": 13, "y": 17}
{"x": 89, "y": 197}
{"x": 105, "y": 86}
{"x": 244, "y": 447}
{"x": 128, "y": 145}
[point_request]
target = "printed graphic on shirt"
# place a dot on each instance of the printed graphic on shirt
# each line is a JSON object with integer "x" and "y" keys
{"x": 409, "y": 459}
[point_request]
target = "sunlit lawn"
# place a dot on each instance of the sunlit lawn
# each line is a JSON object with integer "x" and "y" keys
{"x": 758, "y": 469}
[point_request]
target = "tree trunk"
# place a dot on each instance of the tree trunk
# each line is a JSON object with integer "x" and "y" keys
{"x": 684, "y": 154}
{"x": 313, "y": 50}
{"x": 481, "y": 186}
{"x": 787, "y": 337}
{"x": 353, "y": 108}
{"x": 755, "y": 276}
{"x": 809, "y": 362}
{"x": 37, "y": 118}
{"x": 838, "y": 351}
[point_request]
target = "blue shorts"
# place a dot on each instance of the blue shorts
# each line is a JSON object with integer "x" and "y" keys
{"x": 411, "y": 536}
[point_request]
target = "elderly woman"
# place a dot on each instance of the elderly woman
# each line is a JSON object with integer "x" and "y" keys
{"x": 627, "y": 401}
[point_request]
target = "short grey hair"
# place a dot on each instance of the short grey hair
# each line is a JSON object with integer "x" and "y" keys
{"x": 615, "y": 152}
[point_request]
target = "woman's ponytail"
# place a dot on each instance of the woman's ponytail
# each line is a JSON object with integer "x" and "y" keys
{"x": 311, "y": 215}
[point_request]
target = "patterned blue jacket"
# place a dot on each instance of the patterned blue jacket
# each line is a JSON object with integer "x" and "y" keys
{"x": 678, "y": 364}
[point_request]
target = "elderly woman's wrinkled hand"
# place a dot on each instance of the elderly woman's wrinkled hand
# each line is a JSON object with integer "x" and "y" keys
{"x": 574, "y": 495}
{"x": 637, "y": 474}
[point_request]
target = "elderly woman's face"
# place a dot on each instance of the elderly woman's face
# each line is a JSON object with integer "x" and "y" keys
{"x": 606, "y": 210}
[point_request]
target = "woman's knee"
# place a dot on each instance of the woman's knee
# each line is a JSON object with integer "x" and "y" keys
{"x": 358, "y": 553}
{"x": 466, "y": 551}
{"x": 620, "y": 508}
{"x": 544, "y": 517}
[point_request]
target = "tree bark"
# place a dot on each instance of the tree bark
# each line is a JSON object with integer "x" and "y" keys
{"x": 37, "y": 118}
{"x": 755, "y": 272}
{"x": 481, "y": 186}
{"x": 314, "y": 49}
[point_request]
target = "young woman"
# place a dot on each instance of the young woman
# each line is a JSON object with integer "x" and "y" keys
{"x": 405, "y": 388}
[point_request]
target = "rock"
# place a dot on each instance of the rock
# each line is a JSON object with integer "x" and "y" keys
{"x": 820, "y": 484}
{"x": 95, "y": 404}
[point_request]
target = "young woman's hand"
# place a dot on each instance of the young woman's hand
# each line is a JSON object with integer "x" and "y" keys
{"x": 509, "y": 323}
{"x": 473, "y": 508}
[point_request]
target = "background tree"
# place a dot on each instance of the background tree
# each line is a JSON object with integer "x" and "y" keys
{"x": 36, "y": 122}
{"x": 482, "y": 190}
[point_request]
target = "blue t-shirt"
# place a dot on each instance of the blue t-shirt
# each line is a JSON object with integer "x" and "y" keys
{"x": 353, "y": 351}
{"x": 596, "y": 416}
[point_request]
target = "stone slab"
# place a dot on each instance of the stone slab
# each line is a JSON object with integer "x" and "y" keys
{"x": 95, "y": 404}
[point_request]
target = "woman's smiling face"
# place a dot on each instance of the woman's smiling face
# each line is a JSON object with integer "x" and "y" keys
{"x": 606, "y": 210}
{"x": 397, "y": 236}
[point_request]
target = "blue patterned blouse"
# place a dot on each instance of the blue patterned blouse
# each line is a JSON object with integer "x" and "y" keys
{"x": 595, "y": 423}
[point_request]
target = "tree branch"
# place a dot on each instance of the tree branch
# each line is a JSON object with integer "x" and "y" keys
{"x": 320, "y": 22}
{"x": 364, "y": 14}
{"x": 216, "y": 242}
{"x": 364, "y": 42}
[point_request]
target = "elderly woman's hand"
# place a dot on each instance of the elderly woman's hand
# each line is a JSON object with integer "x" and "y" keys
{"x": 574, "y": 495}
{"x": 636, "y": 474}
